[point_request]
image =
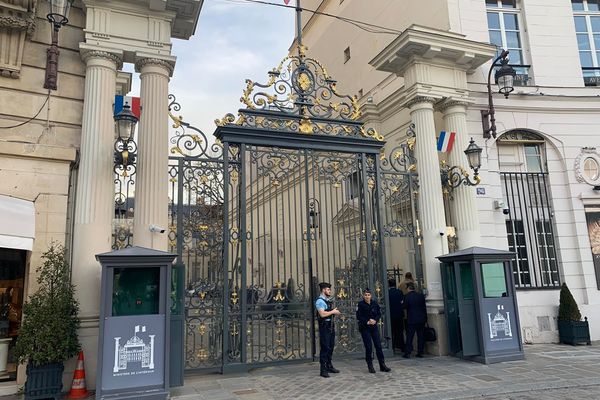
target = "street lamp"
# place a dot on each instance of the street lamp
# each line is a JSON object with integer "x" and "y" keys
{"x": 125, "y": 146}
{"x": 453, "y": 177}
{"x": 58, "y": 17}
{"x": 504, "y": 77}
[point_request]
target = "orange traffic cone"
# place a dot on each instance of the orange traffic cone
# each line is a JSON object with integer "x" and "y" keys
{"x": 78, "y": 389}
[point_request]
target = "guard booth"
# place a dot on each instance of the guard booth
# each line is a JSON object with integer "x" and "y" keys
{"x": 481, "y": 305}
{"x": 133, "y": 345}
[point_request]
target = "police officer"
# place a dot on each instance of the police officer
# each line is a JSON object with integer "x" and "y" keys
{"x": 368, "y": 314}
{"x": 326, "y": 312}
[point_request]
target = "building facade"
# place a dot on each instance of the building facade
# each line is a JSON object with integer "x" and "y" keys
{"x": 57, "y": 146}
{"x": 539, "y": 192}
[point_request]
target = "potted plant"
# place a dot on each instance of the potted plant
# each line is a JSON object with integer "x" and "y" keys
{"x": 48, "y": 335}
{"x": 571, "y": 329}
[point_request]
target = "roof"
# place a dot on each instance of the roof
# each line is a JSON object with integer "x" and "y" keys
{"x": 477, "y": 252}
{"x": 136, "y": 251}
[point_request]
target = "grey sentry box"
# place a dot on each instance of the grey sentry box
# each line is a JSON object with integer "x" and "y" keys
{"x": 133, "y": 345}
{"x": 481, "y": 305}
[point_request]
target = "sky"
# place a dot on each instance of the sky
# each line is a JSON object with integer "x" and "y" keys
{"x": 234, "y": 41}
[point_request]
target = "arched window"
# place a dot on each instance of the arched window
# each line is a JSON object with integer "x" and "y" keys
{"x": 530, "y": 219}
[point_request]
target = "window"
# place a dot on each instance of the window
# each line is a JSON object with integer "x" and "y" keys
{"x": 493, "y": 279}
{"x": 346, "y": 55}
{"x": 504, "y": 26}
{"x": 353, "y": 186}
{"x": 587, "y": 27}
{"x": 529, "y": 222}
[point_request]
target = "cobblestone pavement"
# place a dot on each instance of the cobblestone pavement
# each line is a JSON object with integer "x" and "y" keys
{"x": 548, "y": 372}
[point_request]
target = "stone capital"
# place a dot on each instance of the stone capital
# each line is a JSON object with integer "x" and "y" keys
{"x": 169, "y": 66}
{"x": 445, "y": 106}
{"x": 88, "y": 55}
{"x": 421, "y": 100}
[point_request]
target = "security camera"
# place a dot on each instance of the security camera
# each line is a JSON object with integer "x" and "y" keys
{"x": 442, "y": 232}
{"x": 505, "y": 210}
{"x": 157, "y": 229}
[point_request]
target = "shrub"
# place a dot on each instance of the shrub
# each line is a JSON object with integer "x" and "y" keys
{"x": 49, "y": 330}
{"x": 567, "y": 309}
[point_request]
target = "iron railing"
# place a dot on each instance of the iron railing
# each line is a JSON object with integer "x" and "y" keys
{"x": 530, "y": 230}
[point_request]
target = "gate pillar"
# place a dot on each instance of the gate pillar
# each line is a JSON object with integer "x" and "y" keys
{"x": 431, "y": 203}
{"x": 464, "y": 205}
{"x": 151, "y": 197}
{"x": 94, "y": 209}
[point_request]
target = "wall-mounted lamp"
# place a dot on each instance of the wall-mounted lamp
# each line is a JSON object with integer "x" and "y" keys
{"x": 125, "y": 146}
{"x": 58, "y": 17}
{"x": 314, "y": 213}
{"x": 504, "y": 77}
{"x": 453, "y": 177}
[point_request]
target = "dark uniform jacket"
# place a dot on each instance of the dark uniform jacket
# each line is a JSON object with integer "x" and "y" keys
{"x": 416, "y": 310}
{"x": 396, "y": 299}
{"x": 365, "y": 312}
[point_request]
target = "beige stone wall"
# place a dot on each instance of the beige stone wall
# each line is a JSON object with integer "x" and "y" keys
{"x": 327, "y": 38}
{"x": 36, "y": 159}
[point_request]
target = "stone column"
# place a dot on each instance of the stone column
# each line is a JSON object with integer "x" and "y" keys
{"x": 431, "y": 205}
{"x": 464, "y": 206}
{"x": 94, "y": 209}
{"x": 151, "y": 192}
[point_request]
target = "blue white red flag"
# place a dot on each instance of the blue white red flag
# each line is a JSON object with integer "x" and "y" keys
{"x": 133, "y": 102}
{"x": 446, "y": 141}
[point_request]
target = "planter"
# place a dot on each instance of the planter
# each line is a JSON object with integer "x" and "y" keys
{"x": 44, "y": 382}
{"x": 574, "y": 332}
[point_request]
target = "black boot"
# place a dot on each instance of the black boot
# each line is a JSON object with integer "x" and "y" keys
{"x": 370, "y": 365}
{"x": 383, "y": 367}
{"x": 324, "y": 372}
{"x": 332, "y": 369}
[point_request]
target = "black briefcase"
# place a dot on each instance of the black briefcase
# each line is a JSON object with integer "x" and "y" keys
{"x": 429, "y": 334}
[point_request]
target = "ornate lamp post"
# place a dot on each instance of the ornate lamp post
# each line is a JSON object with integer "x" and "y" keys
{"x": 125, "y": 146}
{"x": 504, "y": 77}
{"x": 58, "y": 17}
{"x": 453, "y": 177}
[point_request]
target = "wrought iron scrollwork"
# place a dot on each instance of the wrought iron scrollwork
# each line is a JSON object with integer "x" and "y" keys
{"x": 300, "y": 97}
{"x": 189, "y": 141}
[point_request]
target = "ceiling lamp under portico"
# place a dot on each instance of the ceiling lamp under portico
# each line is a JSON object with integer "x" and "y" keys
{"x": 299, "y": 98}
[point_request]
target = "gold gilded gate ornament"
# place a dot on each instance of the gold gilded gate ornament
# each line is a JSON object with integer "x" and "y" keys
{"x": 300, "y": 97}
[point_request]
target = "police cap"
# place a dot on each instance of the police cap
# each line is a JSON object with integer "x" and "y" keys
{"x": 324, "y": 285}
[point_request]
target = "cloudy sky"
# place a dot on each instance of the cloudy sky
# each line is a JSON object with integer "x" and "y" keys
{"x": 234, "y": 41}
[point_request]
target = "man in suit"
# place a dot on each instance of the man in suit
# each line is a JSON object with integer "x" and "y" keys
{"x": 416, "y": 311}
{"x": 396, "y": 299}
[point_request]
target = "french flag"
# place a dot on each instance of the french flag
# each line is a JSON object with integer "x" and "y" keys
{"x": 446, "y": 141}
{"x": 133, "y": 102}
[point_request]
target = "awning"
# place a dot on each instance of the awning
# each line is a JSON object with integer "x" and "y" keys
{"x": 17, "y": 223}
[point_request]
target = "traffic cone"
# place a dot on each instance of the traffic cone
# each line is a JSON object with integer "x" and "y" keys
{"x": 78, "y": 389}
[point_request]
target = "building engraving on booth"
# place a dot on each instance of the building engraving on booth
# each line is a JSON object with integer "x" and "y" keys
{"x": 135, "y": 350}
{"x": 500, "y": 323}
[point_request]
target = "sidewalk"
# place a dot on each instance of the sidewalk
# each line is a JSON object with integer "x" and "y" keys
{"x": 548, "y": 372}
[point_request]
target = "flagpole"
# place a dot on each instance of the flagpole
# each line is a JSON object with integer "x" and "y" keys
{"x": 298, "y": 23}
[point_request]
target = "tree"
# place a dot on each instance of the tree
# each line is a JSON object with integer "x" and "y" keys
{"x": 49, "y": 330}
{"x": 567, "y": 309}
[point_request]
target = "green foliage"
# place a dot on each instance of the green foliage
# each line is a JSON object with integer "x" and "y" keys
{"x": 567, "y": 309}
{"x": 49, "y": 330}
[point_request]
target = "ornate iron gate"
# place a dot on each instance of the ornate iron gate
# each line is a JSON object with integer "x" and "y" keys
{"x": 293, "y": 192}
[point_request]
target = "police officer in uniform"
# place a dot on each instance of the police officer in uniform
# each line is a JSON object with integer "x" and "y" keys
{"x": 326, "y": 312}
{"x": 368, "y": 314}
